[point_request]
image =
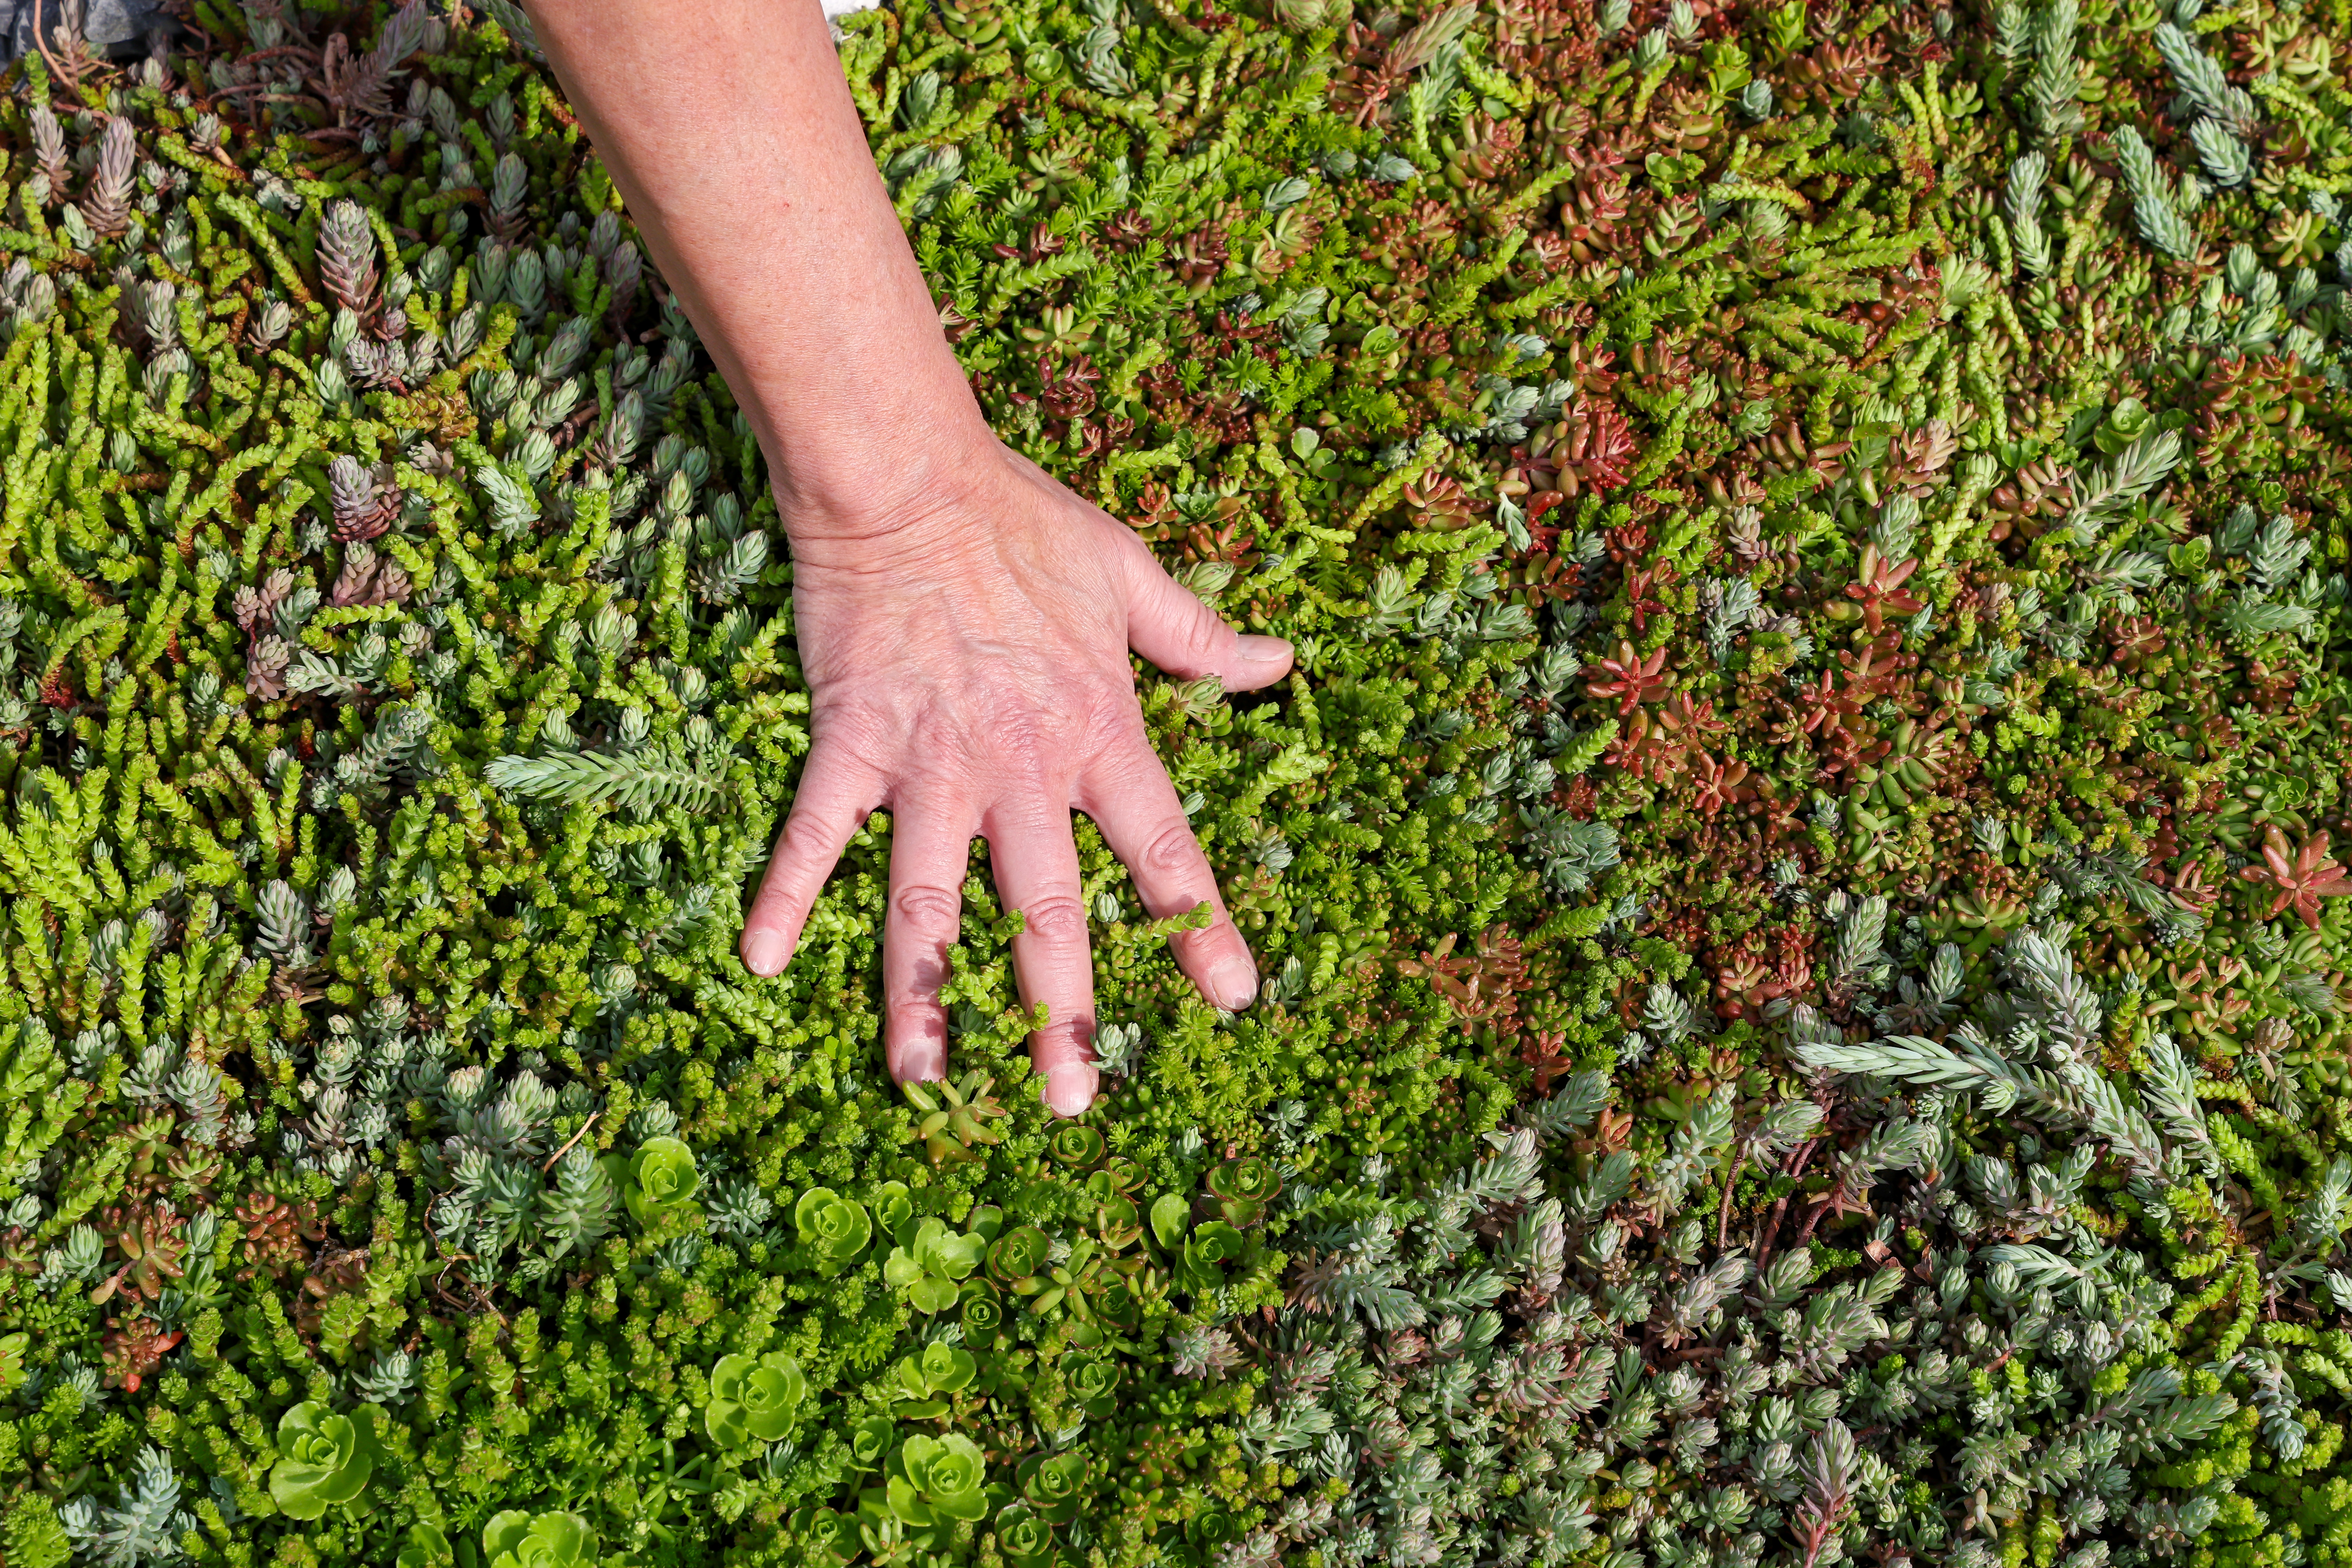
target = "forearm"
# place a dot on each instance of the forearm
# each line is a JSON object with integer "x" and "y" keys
{"x": 730, "y": 132}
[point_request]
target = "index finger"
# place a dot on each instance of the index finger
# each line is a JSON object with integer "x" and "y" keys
{"x": 1132, "y": 802}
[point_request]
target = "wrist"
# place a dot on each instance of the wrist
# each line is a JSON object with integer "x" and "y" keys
{"x": 857, "y": 484}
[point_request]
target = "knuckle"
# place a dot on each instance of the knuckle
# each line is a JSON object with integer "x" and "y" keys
{"x": 1172, "y": 849}
{"x": 1200, "y": 635}
{"x": 805, "y": 844}
{"x": 1198, "y": 948}
{"x": 1074, "y": 1037}
{"x": 1057, "y": 919}
{"x": 917, "y": 976}
{"x": 930, "y": 912}
{"x": 1115, "y": 732}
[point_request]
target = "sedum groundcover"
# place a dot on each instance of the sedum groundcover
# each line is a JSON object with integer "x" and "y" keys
{"x": 1803, "y": 951}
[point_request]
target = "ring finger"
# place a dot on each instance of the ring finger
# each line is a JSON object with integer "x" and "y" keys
{"x": 930, "y": 849}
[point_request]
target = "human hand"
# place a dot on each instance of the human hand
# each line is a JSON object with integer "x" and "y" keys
{"x": 968, "y": 670}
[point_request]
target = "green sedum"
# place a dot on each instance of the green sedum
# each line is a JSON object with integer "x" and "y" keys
{"x": 324, "y": 1459}
{"x": 754, "y": 1399}
{"x": 517, "y": 1539}
{"x": 1804, "y": 946}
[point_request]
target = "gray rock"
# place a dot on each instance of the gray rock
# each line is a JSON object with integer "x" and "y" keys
{"x": 106, "y": 23}
{"x": 120, "y": 29}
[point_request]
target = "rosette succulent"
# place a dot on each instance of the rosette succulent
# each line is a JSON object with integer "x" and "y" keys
{"x": 1073, "y": 1143}
{"x": 894, "y": 1208}
{"x": 1094, "y": 1382}
{"x": 324, "y": 1459}
{"x": 517, "y": 1539}
{"x": 835, "y": 1230}
{"x": 1019, "y": 1254}
{"x": 754, "y": 1400}
{"x": 981, "y": 1314}
{"x": 929, "y": 1268}
{"x": 930, "y": 1480}
{"x": 661, "y": 1181}
{"x": 1244, "y": 1188}
{"x": 427, "y": 1546}
{"x": 870, "y": 1440}
{"x": 1211, "y": 1249}
{"x": 1024, "y": 1535}
{"x": 827, "y": 1539}
{"x": 1054, "y": 1485}
{"x": 940, "y": 1368}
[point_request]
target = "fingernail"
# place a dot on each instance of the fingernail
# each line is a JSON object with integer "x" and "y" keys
{"x": 765, "y": 950}
{"x": 1070, "y": 1087}
{"x": 924, "y": 1063}
{"x": 1233, "y": 984}
{"x": 1256, "y": 649}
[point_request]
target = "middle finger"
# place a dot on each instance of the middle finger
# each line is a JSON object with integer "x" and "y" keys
{"x": 1037, "y": 863}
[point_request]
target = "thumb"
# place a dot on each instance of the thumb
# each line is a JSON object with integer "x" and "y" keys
{"x": 1167, "y": 625}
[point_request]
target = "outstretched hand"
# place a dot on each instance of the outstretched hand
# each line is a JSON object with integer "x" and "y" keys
{"x": 970, "y": 671}
{"x": 966, "y": 652}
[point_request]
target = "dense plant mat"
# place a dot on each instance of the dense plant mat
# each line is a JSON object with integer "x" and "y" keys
{"x": 1794, "y": 875}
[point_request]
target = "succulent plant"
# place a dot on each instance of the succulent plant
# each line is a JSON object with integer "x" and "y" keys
{"x": 835, "y": 1230}
{"x": 324, "y": 1459}
{"x": 940, "y": 1368}
{"x": 754, "y": 1399}
{"x": 515, "y": 1539}
{"x": 1801, "y": 951}
{"x": 932, "y": 1482}
{"x": 427, "y": 1547}
{"x": 929, "y": 1264}
{"x": 662, "y": 1180}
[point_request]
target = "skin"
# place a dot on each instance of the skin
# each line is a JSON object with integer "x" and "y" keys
{"x": 964, "y": 622}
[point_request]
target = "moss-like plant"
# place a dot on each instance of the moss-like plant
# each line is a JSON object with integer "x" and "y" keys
{"x": 1793, "y": 877}
{"x": 324, "y": 1459}
{"x": 754, "y": 1399}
